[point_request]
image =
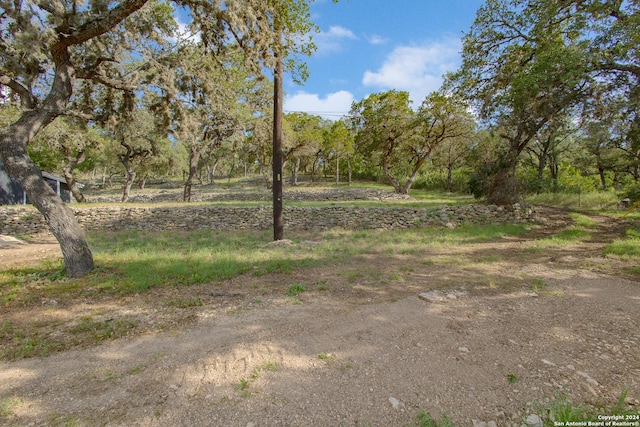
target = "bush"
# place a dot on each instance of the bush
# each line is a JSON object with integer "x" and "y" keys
{"x": 632, "y": 192}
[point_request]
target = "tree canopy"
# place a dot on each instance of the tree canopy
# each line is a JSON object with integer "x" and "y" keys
{"x": 526, "y": 62}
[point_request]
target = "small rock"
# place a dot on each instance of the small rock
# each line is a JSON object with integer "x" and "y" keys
{"x": 463, "y": 349}
{"x": 432, "y": 296}
{"x": 533, "y": 421}
{"x": 478, "y": 423}
{"x": 590, "y": 380}
{"x": 395, "y": 403}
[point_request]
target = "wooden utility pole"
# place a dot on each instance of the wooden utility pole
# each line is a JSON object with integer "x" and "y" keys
{"x": 278, "y": 219}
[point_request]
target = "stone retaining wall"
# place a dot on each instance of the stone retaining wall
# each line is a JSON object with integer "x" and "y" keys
{"x": 26, "y": 220}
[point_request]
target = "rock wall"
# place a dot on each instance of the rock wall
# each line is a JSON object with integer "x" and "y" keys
{"x": 26, "y": 220}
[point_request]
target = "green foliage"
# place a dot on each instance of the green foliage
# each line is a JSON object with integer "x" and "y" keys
{"x": 525, "y": 68}
{"x": 632, "y": 192}
{"x": 435, "y": 180}
{"x": 572, "y": 181}
{"x": 391, "y": 135}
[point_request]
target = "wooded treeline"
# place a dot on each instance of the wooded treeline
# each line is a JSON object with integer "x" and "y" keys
{"x": 546, "y": 100}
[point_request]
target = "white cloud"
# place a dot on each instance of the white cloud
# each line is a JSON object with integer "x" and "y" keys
{"x": 377, "y": 40}
{"x": 416, "y": 69}
{"x": 331, "y": 41}
{"x": 332, "y": 107}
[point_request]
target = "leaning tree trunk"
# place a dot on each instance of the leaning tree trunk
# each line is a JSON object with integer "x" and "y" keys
{"x": 387, "y": 173}
{"x": 414, "y": 174}
{"x": 78, "y": 259}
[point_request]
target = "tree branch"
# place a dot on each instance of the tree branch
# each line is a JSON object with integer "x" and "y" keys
{"x": 93, "y": 75}
{"x": 613, "y": 66}
{"x": 26, "y": 97}
{"x": 101, "y": 24}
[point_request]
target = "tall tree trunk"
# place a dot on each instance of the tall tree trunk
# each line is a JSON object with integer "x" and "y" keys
{"x": 211, "y": 171}
{"x": 603, "y": 179}
{"x": 72, "y": 162}
{"x": 349, "y": 168}
{"x": 450, "y": 178}
{"x": 313, "y": 169}
{"x": 553, "y": 168}
{"x": 194, "y": 159}
{"x": 131, "y": 176}
{"x": 294, "y": 172}
{"x": 337, "y": 169}
{"x": 542, "y": 165}
{"x": 231, "y": 169}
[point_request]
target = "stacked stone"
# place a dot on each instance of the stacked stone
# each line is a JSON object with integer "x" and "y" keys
{"x": 25, "y": 220}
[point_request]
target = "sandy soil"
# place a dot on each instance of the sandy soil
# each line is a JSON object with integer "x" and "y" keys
{"x": 513, "y": 330}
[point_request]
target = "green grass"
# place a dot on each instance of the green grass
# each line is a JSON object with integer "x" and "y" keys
{"x": 8, "y": 405}
{"x": 136, "y": 261}
{"x": 133, "y": 262}
{"x": 579, "y": 231}
{"x": 419, "y": 199}
{"x": 557, "y": 413}
{"x": 295, "y": 290}
{"x": 586, "y": 201}
{"x": 36, "y": 340}
{"x": 424, "y": 419}
{"x": 629, "y": 246}
{"x": 563, "y": 410}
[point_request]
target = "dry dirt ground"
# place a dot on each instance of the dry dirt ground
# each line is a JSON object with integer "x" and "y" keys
{"x": 515, "y": 329}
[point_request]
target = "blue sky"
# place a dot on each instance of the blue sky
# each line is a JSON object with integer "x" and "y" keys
{"x": 369, "y": 46}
